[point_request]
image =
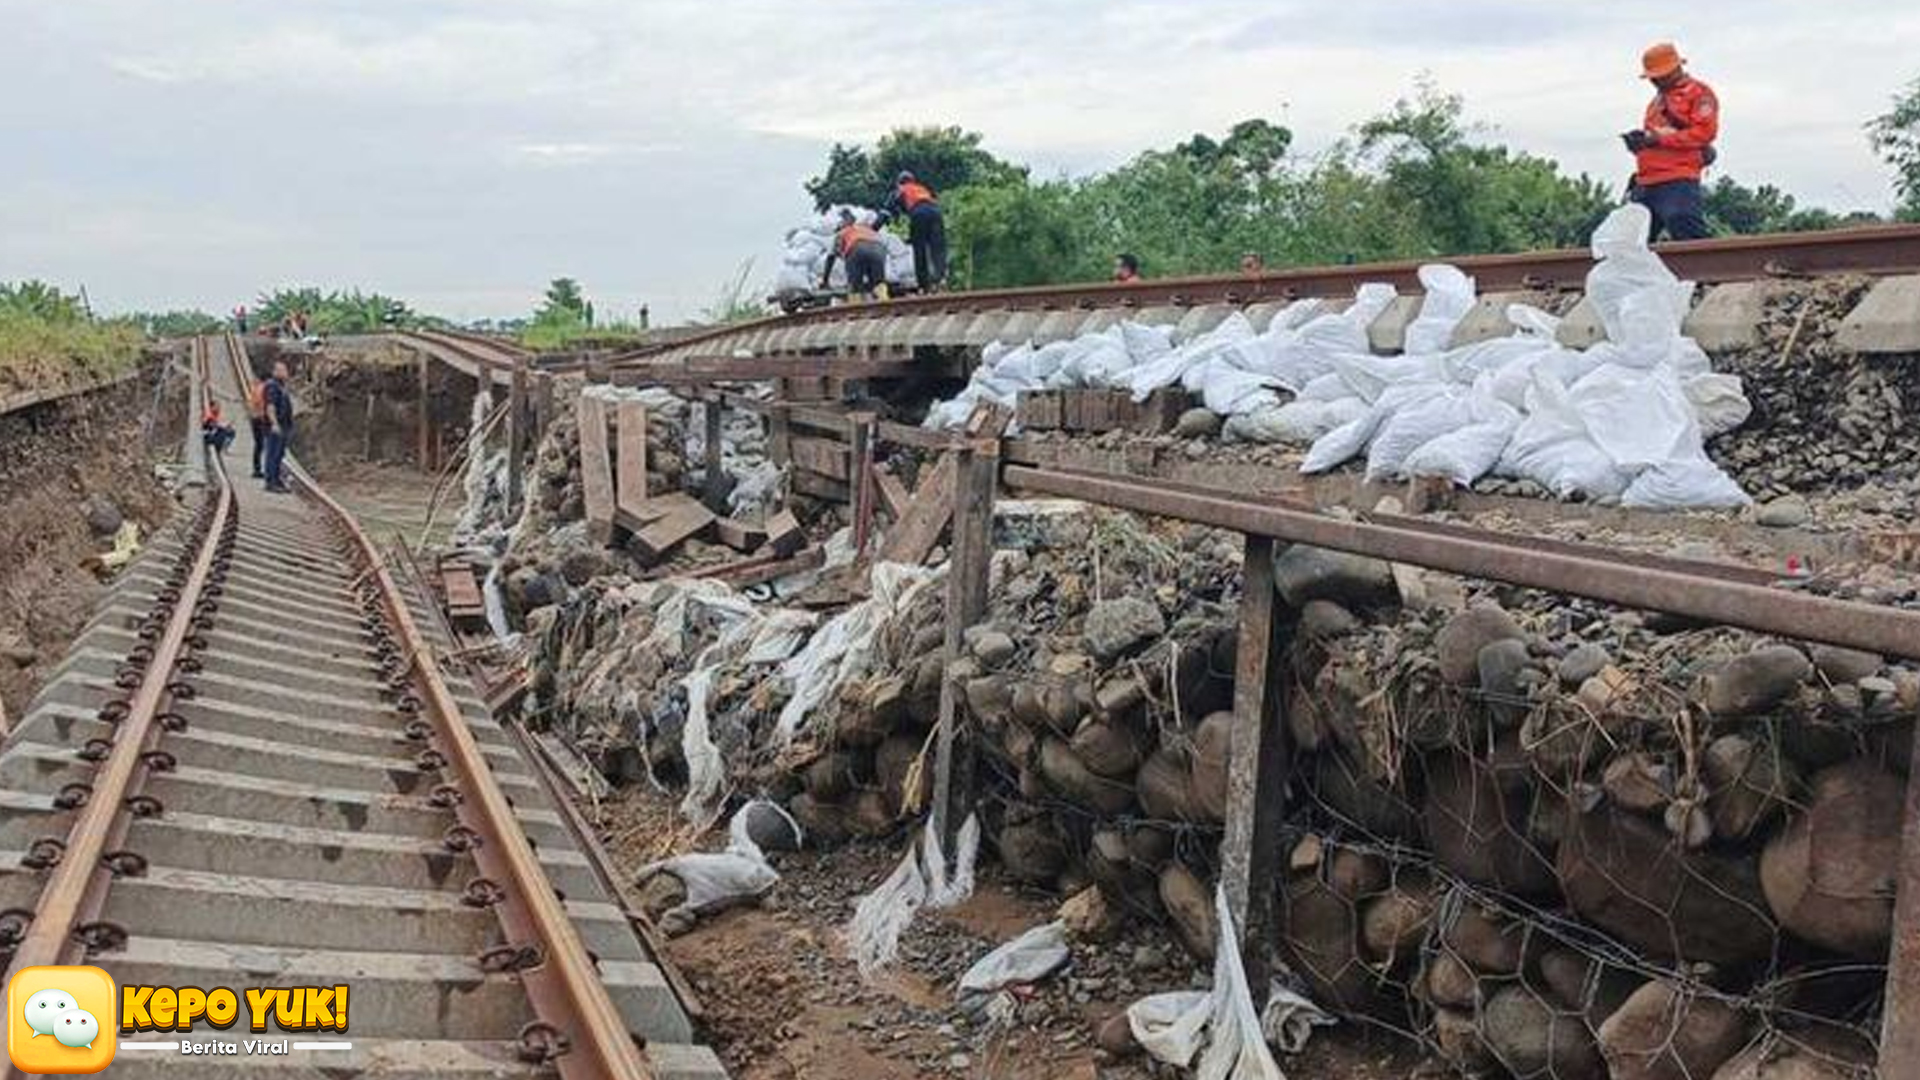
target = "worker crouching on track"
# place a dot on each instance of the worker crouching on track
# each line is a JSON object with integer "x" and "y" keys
{"x": 215, "y": 432}
{"x": 1673, "y": 146}
{"x": 1126, "y": 269}
{"x": 926, "y": 229}
{"x": 859, "y": 247}
{"x": 280, "y": 426}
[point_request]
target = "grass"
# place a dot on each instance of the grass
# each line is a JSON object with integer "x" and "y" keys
{"x": 556, "y": 334}
{"x": 38, "y": 352}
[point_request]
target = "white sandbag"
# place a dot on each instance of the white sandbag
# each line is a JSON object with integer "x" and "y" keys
{"x": 1627, "y": 266}
{"x": 1719, "y": 403}
{"x": 713, "y": 880}
{"x": 1023, "y": 961}
{"x": 1435, "y": 410}
{"x": 1690, "y": 484}
{"x": 1449, "y": 296}
{"x": 1551, "y": 447}
{"x": 1294, "y": 422}
{"x": 1640, "y": 418}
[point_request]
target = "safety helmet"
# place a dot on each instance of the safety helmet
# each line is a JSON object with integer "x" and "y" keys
{"x": 906, "y": 177}
{"x": 1660, "y": 60}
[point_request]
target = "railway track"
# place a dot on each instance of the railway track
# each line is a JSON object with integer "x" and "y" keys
{"x": 1194, "y": 305}
{"x": 251, "y": 771}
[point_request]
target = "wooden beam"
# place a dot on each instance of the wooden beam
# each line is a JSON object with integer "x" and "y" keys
{"x": 975, "y": 472}
{"x": 785, "y": 534}
{"x": 542, "y": 404}
{"x": 684, "y": 518}
{"x": 1900, "y": 1023}
{"x": 596, "y": 471}
{"x": 1257, "y": 769}
{"x": 823, "y": 456}
{"x": 916, "y": 532}
{"x": 919, "y": 438}
{"x": 860, "y": 455}
{"x": 893, "y": 495}
{"x": 779, "y": 437}
{"x": 700, "y": 371}
{"x": 763, "y": 568}
{"x": 517, "y": 440}
{"x": 814, "y": 485}
{"x": 630, "y": 458}
{"x": 716, "y": 474}
{"x": 741, "y": 536}
{"x": 423, "y": 430}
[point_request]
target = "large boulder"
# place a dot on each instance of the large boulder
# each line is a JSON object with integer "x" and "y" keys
{"x": 1664, "y": 1033}
{"x": 1458, "y": 644}
{"x": 1630, "y": 878}
{"x": 1829, "y": 875}
{"x": 1757, "y": 681}
{"x": 1117, "y": 627}
{"x": 1302, "y": 573}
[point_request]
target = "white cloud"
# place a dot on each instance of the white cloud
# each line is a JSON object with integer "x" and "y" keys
{"x": 463, "y": 151}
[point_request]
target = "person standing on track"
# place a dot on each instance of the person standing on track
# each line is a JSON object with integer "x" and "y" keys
{"x": 258, "y": 423}
{"x": 859, "y": 247}
{"x": 926, "y": 229}
{"x": 280, "y": 426}
{"x": 1673, "y": 145}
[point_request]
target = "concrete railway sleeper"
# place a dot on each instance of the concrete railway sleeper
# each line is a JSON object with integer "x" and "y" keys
{"x": 251, "y": 771}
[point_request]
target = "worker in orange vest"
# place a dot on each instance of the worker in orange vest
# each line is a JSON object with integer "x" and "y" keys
{"x": 926, "y": 229}
{"x": 1673, "y": 145}
{"x": 858, "y": 246}
{"x": 258, "y": 423}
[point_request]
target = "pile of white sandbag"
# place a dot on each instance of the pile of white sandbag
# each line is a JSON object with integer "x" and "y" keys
{"x": 1624, "y": 421}
{"x": 807, "y": 247}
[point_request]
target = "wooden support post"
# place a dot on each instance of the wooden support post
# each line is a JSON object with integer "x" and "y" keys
{"x": 596, "y": 471}
{"x": 977, "y": 470}
{"x": 517, "y": 434}
{"x": 1900, "y": 1013}
{"x": 423, "y": 450}
{"x": 1256, "y": 777}
{"x": 779, "y": 436}
{"x": 542, "y": 404}
{"x": 716, "y": 490}
{"x": 630, "y": 458}
{"x": 860, "y": 438}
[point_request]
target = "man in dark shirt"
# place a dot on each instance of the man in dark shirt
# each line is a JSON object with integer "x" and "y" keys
{"x": 280, "y": 421}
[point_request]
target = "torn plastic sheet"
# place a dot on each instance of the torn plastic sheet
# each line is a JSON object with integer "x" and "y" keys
{"x": 922, "y": 879}
{"x": 843, "y": 648}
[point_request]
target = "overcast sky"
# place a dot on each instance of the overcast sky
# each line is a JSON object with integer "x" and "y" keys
{"x": 459, "y": 153}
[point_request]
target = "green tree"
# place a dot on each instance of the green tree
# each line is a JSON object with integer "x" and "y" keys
{"x": 1475, "y": 198}
{"x": 946, "y": 158}
{"x": 1732, "y": 207}
{"x": 563, "y": 300}
{"x": 1015, "y": 233}
{"x": 1896, "y": 136}
{"x": 177, "y": 324}
{"x": 850, "y": 179}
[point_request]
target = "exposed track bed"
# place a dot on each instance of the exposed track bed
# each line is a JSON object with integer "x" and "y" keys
{"x": 250, "y": 772}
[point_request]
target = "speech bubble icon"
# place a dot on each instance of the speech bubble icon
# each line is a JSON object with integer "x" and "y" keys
{"x": 47, "y": 1008}
{"x": 77, "y": 1028}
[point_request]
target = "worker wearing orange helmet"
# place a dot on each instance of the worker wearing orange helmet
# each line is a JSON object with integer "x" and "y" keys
{"x": 1673, "y": 145}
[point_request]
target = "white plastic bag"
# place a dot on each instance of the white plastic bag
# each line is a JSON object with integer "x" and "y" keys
{"x": 1026, "y": 959}
{"x": 1220, "y": 1025}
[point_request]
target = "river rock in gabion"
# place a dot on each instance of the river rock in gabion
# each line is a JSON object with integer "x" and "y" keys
{"x": 1582, "y": 983}
{"x": 1394, "y": 924}
{"x": 1829, "y": 875}
{"x": 1757, "y": 681}
{"x": 1534, "y": 1040}
{"x": 1302, "y": 573}
{"x": 1665, "y": 1033}
{"x": 1817, "y": 1053}
{"x": 1459, "y": 642}
{"x": 1068, "y": 776}
{"x": 1484, "y": 940}
{"x": 1752, "y": 784}
{"x": 1031, "y": 851}
{"x": 1477, "y": 826}
{"x": 1189, "y": 904}
{"x": 1116, "y": 627}
{"x": 1628, "y": 877}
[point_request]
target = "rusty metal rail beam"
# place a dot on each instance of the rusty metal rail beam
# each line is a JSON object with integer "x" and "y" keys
{"x": 699, "y": 371}
{"x": 562, "y": 986}
{"x": 1695, "y": 590}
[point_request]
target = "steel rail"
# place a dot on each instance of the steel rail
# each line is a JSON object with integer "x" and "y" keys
{"x": 1873, "y": 250}
{"x": 481, "y": 360}
{"x": 77, "y": 885}
{"x": 1677, "y": 586}
{"x": 561, "y": 983}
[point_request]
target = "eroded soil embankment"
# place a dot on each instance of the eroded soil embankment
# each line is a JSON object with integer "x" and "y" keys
{"x": 71, "y": 471}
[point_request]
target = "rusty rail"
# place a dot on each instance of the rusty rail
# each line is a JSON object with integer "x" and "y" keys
{"x": 576, "y": 1019}
{"x": 1678, "y": 586}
